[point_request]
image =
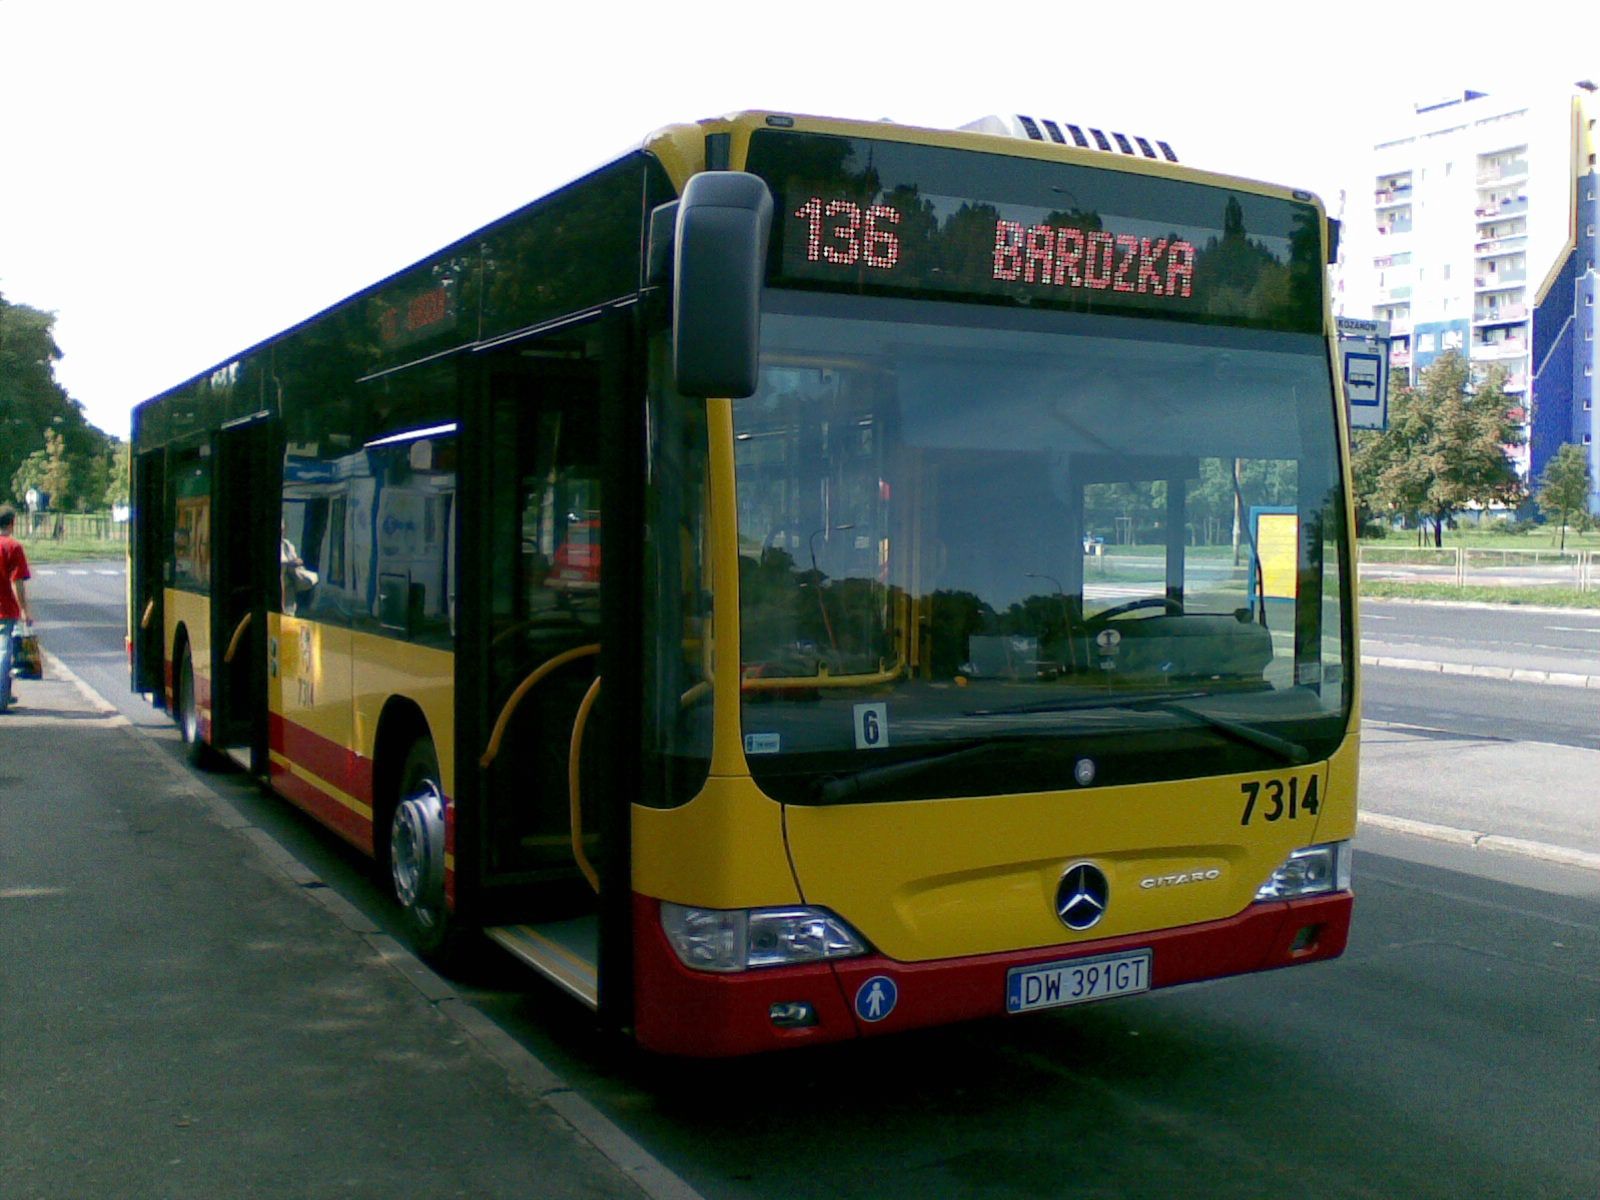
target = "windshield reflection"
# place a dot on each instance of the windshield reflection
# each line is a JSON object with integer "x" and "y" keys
{"x": 944, "y": 525}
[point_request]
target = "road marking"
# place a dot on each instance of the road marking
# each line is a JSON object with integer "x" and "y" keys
{"x": 108, "y": 572}
{"x": 77, "y": 572}
{"x": 1573, "y": 628}
{"x": 1375, "y": 617}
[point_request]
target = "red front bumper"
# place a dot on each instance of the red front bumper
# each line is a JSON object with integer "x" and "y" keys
{"x": 680, "y": 1011}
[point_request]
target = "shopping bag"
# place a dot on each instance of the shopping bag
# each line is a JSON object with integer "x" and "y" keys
{"x": 26, "y": 659}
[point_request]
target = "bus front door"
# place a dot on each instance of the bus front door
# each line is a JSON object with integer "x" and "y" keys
{"x": 538, "y": 632}
{"x": 244, "y": 564}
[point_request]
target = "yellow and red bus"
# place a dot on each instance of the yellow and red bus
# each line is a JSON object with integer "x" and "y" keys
{"x": 974, "y": 629}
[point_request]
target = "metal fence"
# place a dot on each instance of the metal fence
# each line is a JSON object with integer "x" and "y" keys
{"x": 1464, "y": 566}
{"x": 71, "y": 527}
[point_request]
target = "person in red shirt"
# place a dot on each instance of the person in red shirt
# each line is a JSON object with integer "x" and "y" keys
{"x": 13, "y": 598}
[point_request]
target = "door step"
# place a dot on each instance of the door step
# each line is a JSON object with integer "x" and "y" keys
{"x": 240, "y": 756}
{"x": 565, "y": 952}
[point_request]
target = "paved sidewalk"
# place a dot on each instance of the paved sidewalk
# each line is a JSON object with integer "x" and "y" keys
{"x": 184, "y": 1012}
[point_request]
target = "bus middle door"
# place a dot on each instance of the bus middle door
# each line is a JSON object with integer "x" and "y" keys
{"x": 244, "y": 556}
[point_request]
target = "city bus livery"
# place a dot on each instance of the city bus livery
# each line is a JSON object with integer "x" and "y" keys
{"x": 803, "y": 580}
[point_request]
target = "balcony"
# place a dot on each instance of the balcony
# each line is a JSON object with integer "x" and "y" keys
{"x": 1499, "y": 281}
{"x": 1500, "y": 172}
{"x": 1489, "y": 247}
{"x": 1389, "y": 197}
{"x": 1498, "y": 351}
{"x": 1396, "y": 227}
{"x": 1503, "y": 314}
{"x": 1399, "y": 356}
{"x": 1506, "y": 208}
{"x": 1517, "y": 382}
{"x": 1394, "y": 295}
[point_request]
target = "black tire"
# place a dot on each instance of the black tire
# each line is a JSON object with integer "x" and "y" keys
{"x": 186, "y": 712}
{"x": 414, "y": 856}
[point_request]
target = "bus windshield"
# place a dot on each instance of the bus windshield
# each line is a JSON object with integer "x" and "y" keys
{"x": 1101, "y": 540}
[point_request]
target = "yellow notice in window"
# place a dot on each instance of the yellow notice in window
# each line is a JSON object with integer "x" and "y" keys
{"x": 1278, "y": 544}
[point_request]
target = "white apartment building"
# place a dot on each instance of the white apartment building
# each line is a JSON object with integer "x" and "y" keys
{"x": 1474, "y": 230}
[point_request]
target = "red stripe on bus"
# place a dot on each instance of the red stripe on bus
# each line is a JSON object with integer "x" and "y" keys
{"x": 325, "y": 758}
{"x": 350, "y": 825}
{"x": 711, "y": 1015}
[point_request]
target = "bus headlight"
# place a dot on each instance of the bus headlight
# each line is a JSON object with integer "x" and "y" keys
{"x": 716, "y": 939}
{"x": 1310, "y": 871}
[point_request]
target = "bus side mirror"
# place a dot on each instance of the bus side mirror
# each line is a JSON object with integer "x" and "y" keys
{"x": 724, "y": 222}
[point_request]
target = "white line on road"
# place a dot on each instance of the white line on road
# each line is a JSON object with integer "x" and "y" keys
{"x": 77, "y": 572}
{"x": 1573, "y": 628}
{"x": 1375, "y": 617}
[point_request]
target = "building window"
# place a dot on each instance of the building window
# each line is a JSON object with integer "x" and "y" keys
{"x": 1447, "y": 270}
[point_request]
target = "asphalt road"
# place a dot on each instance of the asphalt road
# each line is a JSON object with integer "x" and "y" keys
{"x": 1565, "y": 640}
{"x": 1450, "y": 1052}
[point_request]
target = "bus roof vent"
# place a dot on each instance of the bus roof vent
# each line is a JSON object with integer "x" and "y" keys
{"x": 1043, "y": 129}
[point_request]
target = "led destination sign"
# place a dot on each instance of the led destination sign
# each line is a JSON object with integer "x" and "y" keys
{"x": 895, "y": 219}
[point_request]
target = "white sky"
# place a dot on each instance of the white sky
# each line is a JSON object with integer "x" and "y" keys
{"x": 180, "y": 179}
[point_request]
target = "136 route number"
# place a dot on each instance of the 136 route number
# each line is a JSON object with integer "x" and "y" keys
{"x": 1275, "y": 799}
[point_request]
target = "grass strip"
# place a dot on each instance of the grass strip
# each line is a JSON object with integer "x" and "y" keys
{"x": 48, "y": 550}
{"x": 1549, "y": 597}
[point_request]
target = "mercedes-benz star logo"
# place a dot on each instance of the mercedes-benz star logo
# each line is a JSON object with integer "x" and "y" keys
{"x": 1082, "y": 895}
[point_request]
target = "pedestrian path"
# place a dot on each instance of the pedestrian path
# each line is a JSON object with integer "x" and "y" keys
{"x": 189, "y": 1013}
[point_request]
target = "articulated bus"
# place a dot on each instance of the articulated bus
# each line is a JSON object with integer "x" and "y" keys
{"x": 803, "y": 580}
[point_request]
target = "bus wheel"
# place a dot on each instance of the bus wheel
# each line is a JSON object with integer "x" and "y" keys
{"x": 416, "y": 854}
{"x": 187, "y": 713}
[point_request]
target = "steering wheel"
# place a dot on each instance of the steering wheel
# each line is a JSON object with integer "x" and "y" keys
{"x": 1111, "y": 614}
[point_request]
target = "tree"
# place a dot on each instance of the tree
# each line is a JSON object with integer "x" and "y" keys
{"x": 117, "y": 473}
{"x": 33, "y": 404}
{"x": 46, "y": 471}
{"x": 1445, "y": 446}
{"x": 1564, "y": 486}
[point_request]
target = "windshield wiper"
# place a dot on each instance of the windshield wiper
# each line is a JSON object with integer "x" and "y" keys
{"x": 870, "y": 779}
{"x": 1098, "y": 700}
{"x": 1292, "y": 752}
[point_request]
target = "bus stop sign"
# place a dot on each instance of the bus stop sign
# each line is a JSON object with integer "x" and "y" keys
{"x": 1364, "y": 368}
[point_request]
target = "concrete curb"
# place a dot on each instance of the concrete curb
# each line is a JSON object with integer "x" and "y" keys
{"x": 1476, "y": 840}
{"x": 1514, "y": 674}
{"x": 524, "y": 1068}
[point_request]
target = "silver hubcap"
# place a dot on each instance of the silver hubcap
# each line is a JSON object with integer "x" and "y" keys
{"x": 416, "y": 852}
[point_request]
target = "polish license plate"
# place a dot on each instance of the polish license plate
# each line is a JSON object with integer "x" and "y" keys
{"x": 1077, "y": 981}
